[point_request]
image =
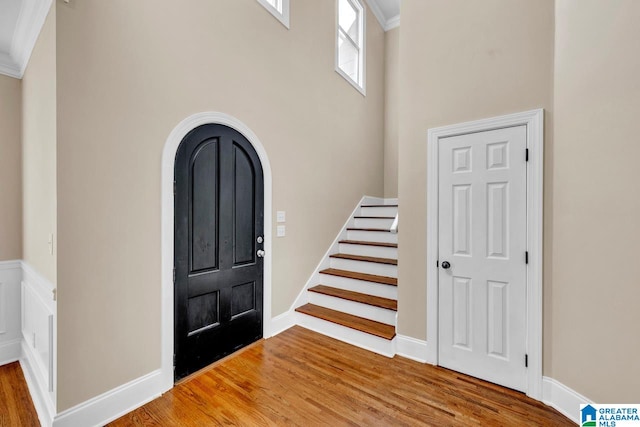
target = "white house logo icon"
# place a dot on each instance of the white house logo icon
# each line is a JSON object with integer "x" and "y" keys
{"x": 588, "y": 416}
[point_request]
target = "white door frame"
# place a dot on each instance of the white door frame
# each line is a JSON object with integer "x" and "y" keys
{"x": 534, "y": 121}
{"x": 168, "y": 164}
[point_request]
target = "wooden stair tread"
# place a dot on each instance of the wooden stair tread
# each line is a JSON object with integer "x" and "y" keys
{"x": 384, "y": 280}
{"x": 362, "y": 242}
{"x": 377, "y": 260}
{"x": 378, "y": 206}
{"x": 361, "y": 324}
{"x": 375, "y": 301}
{"x": 369, "y": 229}
{"x": 375, "y": 217}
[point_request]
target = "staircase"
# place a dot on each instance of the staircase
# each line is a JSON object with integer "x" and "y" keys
{"x": 353, "y": 294}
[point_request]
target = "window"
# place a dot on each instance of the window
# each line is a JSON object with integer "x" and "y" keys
{"x": 350, "y": 42}
{"x": 279, "y": 9}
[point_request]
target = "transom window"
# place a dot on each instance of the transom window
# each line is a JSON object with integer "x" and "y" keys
{"x": 279, "y": 9}
{"x": 350, "y": 42}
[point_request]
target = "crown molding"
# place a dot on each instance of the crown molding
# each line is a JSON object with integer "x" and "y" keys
{"x": 392, "y": 23}
{"x": 32, "y": 15}
{"x": 386, "y": 23}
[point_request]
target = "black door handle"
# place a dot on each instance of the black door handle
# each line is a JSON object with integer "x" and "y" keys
{"x": 446, "y": 265}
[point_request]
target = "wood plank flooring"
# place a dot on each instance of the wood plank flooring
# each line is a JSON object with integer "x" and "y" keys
{"x": 300, "y": 378}
{"x": 16, "y": 407}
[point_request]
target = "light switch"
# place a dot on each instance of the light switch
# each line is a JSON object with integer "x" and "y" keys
{"x": 281, "y": 216}
{"x": 280, "y": 231}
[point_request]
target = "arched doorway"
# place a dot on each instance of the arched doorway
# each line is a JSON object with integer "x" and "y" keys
{"x": 168, "y": 216}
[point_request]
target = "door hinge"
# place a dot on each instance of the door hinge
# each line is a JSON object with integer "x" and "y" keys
{"x": 174, "y": 188}
{"x": 174, "y": 275}
{"x": 526, "y": 360}
{"x": 174, "y": 360}
{"x": 526, "y": 257}
{"x": 437, "y": 263}
{"x": 526, "y": 155}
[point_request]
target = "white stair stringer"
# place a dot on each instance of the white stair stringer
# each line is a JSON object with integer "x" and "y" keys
{"x": 350, "y": 336}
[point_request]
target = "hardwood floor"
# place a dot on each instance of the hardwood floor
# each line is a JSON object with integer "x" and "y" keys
{"x": 16, "y": 407}
{"x": 306, "y": 379}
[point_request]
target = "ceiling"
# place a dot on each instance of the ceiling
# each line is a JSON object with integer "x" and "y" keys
{"x": 20, "y": 25}
{"x": 22, "y": 20}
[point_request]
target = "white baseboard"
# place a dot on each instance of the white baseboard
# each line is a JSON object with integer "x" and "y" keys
{"x": 113, "y": 404}
{"x": 45, "y": 408}
{"x": 563, "y": 399}
{"x": 10, "y": 351}
{"x": 411, "y": 348}
{"x": 281, "y": 323}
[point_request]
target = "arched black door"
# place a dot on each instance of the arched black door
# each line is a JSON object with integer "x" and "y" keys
{"x": 219, "y": 223}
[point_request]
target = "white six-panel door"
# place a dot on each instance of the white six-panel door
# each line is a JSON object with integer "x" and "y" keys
{"x": 482, "y": 235}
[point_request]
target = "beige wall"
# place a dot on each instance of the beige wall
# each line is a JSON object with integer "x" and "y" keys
{"x": 10, "y": 169}
{"x": 128, "y": 73}
{"x": 459, "y": 61}
{"x": 594, "y": 340}
{"x": 39, "y": 151}
{"x": 391, "y": 105}
{"x": 501, "y": 57}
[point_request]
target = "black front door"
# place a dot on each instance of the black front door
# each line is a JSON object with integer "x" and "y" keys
{"x": 219, "y": 222}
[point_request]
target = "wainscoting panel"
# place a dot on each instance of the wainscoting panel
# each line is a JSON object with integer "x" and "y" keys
{"x": 39, "y": 341}
{"x": 10, "y": 276}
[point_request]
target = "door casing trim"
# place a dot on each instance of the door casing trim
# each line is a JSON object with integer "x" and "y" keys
{"x": 167, "y": 228}
{"x": 534, "y": 121}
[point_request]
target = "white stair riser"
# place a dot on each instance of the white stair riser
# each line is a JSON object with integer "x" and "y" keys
{"x": 374, "y": 223}
{"x": 364, "y": 287}
{"x": 372, "y": 236}
{"x": 365, "y": 267}
{"x": 379, "y": 211}
{"x": 348, "y": 335}
{"x": 370, "y": 312}
{"x": 366, "y": 250}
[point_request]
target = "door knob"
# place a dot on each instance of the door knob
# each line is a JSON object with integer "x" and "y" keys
{"x": 260, "y": 253}
{"x": 446, "y": 265}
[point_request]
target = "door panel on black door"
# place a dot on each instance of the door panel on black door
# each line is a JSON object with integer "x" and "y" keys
{"x": 244, "y": 238}
{"x": 204, "y": 184}
{"x": 219, "y": 215}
